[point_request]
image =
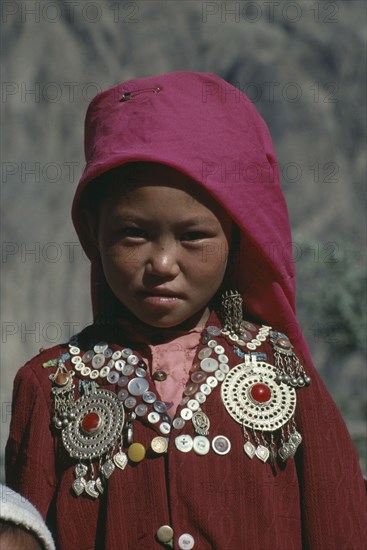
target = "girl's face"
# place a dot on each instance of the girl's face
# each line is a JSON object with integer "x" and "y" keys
{"x": 164, "y": 245}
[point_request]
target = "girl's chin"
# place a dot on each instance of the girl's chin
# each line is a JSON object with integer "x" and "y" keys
{"x": 170, "y": 320}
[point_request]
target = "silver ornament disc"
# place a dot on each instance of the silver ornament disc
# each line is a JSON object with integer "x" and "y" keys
{"x": 110, "y": 409}
{"x": 241, "y": 405}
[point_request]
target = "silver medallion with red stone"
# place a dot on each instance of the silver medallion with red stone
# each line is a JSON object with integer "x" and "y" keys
{"x": 254, "y": 399}
{"x": 98, "y": 424}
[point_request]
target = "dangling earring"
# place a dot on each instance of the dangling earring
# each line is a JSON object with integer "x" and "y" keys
{"x": 232, "y": 312}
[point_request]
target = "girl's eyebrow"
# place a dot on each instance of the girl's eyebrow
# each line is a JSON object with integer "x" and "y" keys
{"x": 138, "y": 218}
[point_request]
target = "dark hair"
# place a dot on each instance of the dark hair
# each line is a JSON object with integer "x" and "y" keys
{"x": 98, "y": 189}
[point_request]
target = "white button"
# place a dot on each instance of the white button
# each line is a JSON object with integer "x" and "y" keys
{"x": 98, "y": 361}
{"x": 205, "y": 352}
{"x": 224, "y": 367}
{"x": 133, "y": 360}
{"x": 206, "y": 389}
{"x": 94, "y": 374}
{"x": 130, "y": 402}
{"x": 154, "y": 417}
{"x": 212, "y": 381}
{"x": 100, "y": 347}
{"x": 127, "y": 370}
{"x": 122, "y": 381}
{"x": 251, "y": 346}
{"x": 221, "y": 445}
{"x": 119, "y": 364}
{"x": 200, "y": 396}
{"x": 140, "y": 372}
{"x": 186, "y": 414}
{"x": 178, "y": 423}
{"x": 149, "y": 397}
{"x": 88, "y": 356}
{"x": 79, "y": 366}
{"x": 85, "y": 371}
{"x": 160, "y": 406}
{"x": 104, "y": 371}
{"x": 256, "y": 342}
{"x": 165, "y": 428}
{"x": 209, "y": 364}
{"x": 141, "y": 409}
{"x": 193, "y": 405}
{"x": 219, "y": 375}
{"x": 184, "y": 443}
{"x": 113, "y": 377}
{"x": 76, "y": 359}
{"x": 74, "y": 350}
{"x": 201, "y": 445}
{"x": 219, "y": 349}
{"x": 126, "y": 352}
{"x": 116, "y": 355}
{"x": 138, "y": 386}
{"x": 212, "y": 343}
{"x": 261, "y": 338}
{"x": 186, "y": 542}
{"x": 122, "y": 395}
{"x": 222, "y": 358}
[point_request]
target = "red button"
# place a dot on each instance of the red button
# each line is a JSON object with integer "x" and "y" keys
{"x": 90, "y": 423}
{"x": 260, "y": 393}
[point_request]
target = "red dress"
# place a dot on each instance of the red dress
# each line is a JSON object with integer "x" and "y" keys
{"x": 229, "y": 502}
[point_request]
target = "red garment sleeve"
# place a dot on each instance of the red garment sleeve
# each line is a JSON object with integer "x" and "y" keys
{"x": 30, "y": 450}
{"x": 333, "y": 497}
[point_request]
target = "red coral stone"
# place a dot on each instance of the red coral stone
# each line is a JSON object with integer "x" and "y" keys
{"x": 90, "y": 423}
{"x": 61, "y": 379}
{"x": 260, "y": 393}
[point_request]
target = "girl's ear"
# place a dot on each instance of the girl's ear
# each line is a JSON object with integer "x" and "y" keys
{"x": 90, "y": 226}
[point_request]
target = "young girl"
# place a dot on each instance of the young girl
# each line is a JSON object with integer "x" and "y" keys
{"x": 189, "y": 415}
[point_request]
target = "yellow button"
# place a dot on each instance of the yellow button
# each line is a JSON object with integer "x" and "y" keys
{"x": 165, "y": 533}
{"x": 136, "y": 452}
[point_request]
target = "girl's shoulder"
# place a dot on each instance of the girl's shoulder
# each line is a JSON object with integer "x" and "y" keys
{"x": 39, "y": 367}
{"x": 35, "y": 372}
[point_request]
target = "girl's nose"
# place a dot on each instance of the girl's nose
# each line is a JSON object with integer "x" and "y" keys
{"x": 163, "y": 262}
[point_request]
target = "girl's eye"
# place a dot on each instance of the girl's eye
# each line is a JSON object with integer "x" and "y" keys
{"x": 133, "y": 232}
{"x": 194, "y": 236}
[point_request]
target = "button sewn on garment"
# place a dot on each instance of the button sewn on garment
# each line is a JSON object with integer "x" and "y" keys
{"x": 186, "y": 541}
{"x": 160, "y": 375}
{"x": 165, "y": 533}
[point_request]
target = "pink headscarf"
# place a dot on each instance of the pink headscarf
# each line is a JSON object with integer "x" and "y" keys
{"x": 206, "y": 128}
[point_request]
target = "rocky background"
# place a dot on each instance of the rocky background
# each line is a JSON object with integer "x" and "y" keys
{"x": 302, "y": 63}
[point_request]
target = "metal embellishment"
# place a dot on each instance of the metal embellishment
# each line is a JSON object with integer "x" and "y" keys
{"x": 82, "y": 444}
{"x": 91, "y": 429}
{"x": 120, "y": 459}
{"x": 254, "y": 397}
{"x": 241, "y": 405}
{"x": 201, "y": 423}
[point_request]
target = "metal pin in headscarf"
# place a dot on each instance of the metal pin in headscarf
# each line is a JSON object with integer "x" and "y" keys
{"x": 126, "y": 96}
